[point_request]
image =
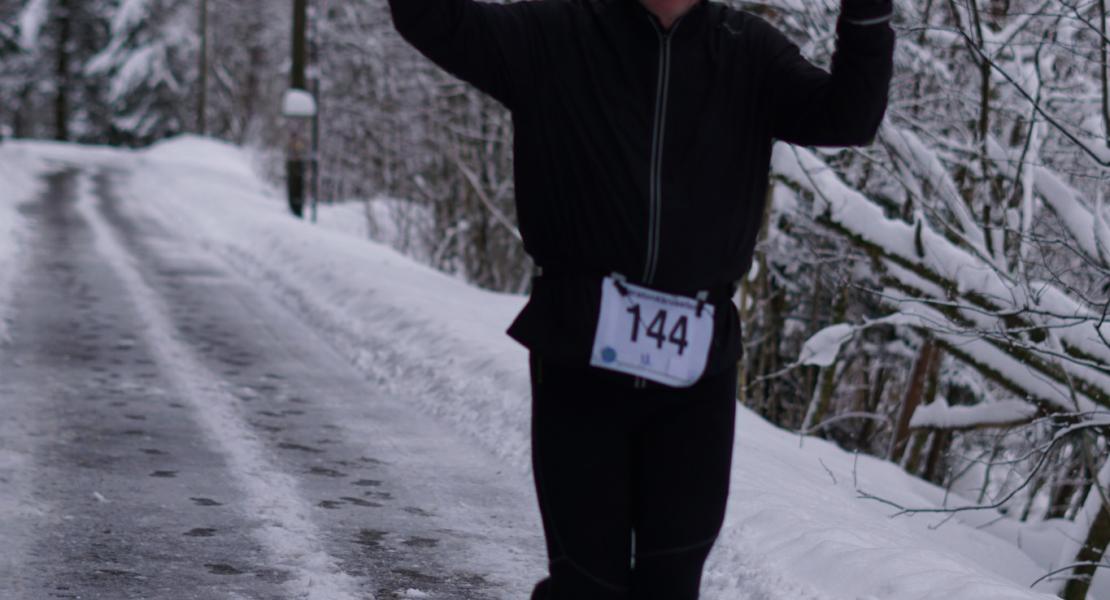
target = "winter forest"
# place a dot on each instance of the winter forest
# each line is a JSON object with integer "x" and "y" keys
{"x": 939, "y": 299}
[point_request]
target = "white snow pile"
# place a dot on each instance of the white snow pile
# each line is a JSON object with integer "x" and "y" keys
{"x": 18, "y": 184}
{"x": 796, "y": 528}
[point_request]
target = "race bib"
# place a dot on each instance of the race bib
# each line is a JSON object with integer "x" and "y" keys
{"x": 658, "y": 336}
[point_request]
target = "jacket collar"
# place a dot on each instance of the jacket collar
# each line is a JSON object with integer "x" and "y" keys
{"x": 685, "y": 22}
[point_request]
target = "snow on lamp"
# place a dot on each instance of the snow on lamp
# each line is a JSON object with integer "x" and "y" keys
{"x": 299, "y": 108}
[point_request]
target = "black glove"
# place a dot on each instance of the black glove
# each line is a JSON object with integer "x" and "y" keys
{"x": 866, "y": 12}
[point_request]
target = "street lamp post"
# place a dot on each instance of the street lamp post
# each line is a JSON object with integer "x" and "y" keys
{"x": 297, "y": 101}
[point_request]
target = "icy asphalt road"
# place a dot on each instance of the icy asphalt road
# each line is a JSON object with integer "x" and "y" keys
{"x": 175, "y": 433}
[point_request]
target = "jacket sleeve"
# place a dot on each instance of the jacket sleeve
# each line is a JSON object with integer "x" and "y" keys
{"x": 813, "y": 107}
{"x": 483, "y": 43}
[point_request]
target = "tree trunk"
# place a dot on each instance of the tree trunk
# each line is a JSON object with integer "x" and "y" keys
{"x": 875, "y": 398}
{"x": 1079, "y": 498}
{"x": 61, "y": 72}
{"x": 1064, "y": 490}
{"x": 202, "y": 69}
{"x": 770, "y": 406}
{"x": 917, "y": 446}
{"x": 763, "y": 365}
{"x": 820, "y": 399}
{"x": 915, "y": 391}
{"x": 995, "y": 450}
{"x": 920, "y": 441}
{"x": 772, "y": 334}
{"x": 921, "y": 41}
{"x": 934, "y": 465}
{"x": 1096, "y": 511}
{"x": 1038, "y": 482}
{"x": 810, "y": 375}
{"x": 746, "y": 314}
{"x": 764, "y": 401}
{"x": 826, "y": 379}
{"x": 23, "y": 125}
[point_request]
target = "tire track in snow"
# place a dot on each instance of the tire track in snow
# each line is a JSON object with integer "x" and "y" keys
{"x": 287, "y": 532}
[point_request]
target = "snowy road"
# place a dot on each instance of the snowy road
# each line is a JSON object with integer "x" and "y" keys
{"x": 173, "y": 432}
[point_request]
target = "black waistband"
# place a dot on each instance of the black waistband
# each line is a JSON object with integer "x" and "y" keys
{"x": 716, "y": 293}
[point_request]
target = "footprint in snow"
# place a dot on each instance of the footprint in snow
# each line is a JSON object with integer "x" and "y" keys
{"x": 223, "y": 569}
{"x": 361, "y": 502}
{"x": 201, "y": 532}
{"x": 299, "y": 448}
{"x": 326, "y": 472}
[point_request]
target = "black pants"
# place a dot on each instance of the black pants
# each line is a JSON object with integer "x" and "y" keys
{"x": 632, "y": 483}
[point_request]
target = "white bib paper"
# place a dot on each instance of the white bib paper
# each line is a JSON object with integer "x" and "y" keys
{"x": 658, "y": 336}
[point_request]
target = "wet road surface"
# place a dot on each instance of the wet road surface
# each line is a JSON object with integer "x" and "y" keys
{"x": 184, "y": 436}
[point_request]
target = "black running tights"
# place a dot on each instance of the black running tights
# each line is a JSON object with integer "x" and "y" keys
{"x": 632, "y": 483}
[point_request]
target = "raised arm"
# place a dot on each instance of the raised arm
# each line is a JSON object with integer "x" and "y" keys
{"x": 845, "y": 108}
{"x": 482, "y": 43}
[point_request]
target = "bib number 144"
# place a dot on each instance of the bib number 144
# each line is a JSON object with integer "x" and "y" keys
{"x": 657, "y": 330}
{"x": 658, "y": 336}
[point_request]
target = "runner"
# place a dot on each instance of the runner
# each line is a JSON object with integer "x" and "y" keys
{"x": 643, "y": 134}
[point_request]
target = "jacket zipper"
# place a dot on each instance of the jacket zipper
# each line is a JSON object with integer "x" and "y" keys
{"x": 655, "y": 186}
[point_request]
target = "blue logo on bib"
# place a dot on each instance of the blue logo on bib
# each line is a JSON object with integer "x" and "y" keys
{"x": 609, "y": 355}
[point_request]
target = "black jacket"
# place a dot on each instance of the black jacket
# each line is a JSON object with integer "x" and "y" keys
{"x": 643, "y": 151}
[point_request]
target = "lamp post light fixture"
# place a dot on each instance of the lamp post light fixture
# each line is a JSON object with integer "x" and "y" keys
{"x": 299, "y": 109}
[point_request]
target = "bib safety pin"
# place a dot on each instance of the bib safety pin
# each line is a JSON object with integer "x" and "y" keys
{"x": 703, "y": 297}
{"x": 619, "y": 281}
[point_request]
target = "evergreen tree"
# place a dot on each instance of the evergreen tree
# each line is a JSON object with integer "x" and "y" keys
{"x": 44, "y": 90}
{"x": 248, "y": 48}
{"x": 149, "y": 68}
{"x": 9, "y": 55}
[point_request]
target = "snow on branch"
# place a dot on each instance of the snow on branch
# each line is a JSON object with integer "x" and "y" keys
{"x": 992, "y": 359}
{"x": 908, "y": 148}
{"x": 940, "y": 260}
{"x": 940, "y": 415}
{"x": 822, "y": 348}
{"x": 850, "y": 209}
{"x": 1087, "y": 226}
{"x": 981, "y": 305}
{"x": 31, "y": 21}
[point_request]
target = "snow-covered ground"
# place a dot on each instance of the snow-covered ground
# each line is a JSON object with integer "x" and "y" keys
{"x": 796, "y": 527}
{"x": 17, "y": 176}
{"x": 18, "y": 169}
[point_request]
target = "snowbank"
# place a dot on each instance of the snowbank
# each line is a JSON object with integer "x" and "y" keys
{"x": 796, "y": 528}
{"x": 18, "y": 184}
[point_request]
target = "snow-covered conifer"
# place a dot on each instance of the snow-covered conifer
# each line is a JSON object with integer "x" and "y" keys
{"x": 149, "y": 65}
